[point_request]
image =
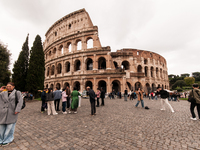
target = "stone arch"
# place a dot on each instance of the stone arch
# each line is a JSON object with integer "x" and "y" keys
{"x": 67, "y": 66}
{"x": 78, "y": 44}
{"x": 88, "y": 83}
{"x": 115, "y": 64}
{"x": 126, "y": 65}
{"x": 48, "y": 71}
{"x": 61, "y": 51}
{"x": 77, "y": 65}
{"x": 165, "y": 87}
{"x": 153, "y": 87}
{"x": 66, "y": 84}
{"x": 138, "y": 85}
{"x": 89, "y": 42}
{"x": 49, "y": 54}
{"x": 52, "y": 86}
{"x": 46, "y": 85}
{"x": 101, "y": 63}
{"x": 58, "y": 86}
{"x": 69, "y": 47}
{"x": 146, "y": 71}
{"x": 161, "y": 76}
{"x": 147, "y": 88}
{"x": 77, "y": 85}
{"x": 152, "y": 70}
{"x": 162, "y": 86}
{"x": 89, "y": 64}
{"x": 59, "y": 68}
{"x": 145, "y": 61}
{"x": 52, "y": 70}
{"x": 116, "y": 86}
{"x": 102, "y": 84}
{"x": 139, "y": 68}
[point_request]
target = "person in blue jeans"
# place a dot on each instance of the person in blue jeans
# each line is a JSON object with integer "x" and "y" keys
{"x": 139, "y": 93}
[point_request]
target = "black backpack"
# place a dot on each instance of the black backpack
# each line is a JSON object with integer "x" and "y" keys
{"x": 16, "y": 101}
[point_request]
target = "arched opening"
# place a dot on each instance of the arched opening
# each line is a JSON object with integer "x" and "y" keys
{"x": 138, "y": 85}
{"x": 47, "y": 86}
{"x": 77, "y": 85}
{"x": 116, "y": 86}
{"x": 152, "y": 72}
{"x": 145, "y": 61}
{"x": 69, "y": 47}
{"x": 89, "y": 43}
{"x": 52, "y": 70}
{"x": 66, "y": 84}
{"x": 102, "y": 63}
{"x": 61, "y": 51}
{"x": 115, "y": 64}
{"x": 50, "y": 54}
{"x": 146, "y": 71}
{"x": 139, "y": 68}
{"x": 54, "y": 52}
{"x": 165, "y": 87}
{"x": 59, "y": 68}
{"x": 162, "y": 86}
{"x": 126, "y": 65}
{"x": 161, "y": 73}
{"x": 51, "y": 86}
{"x": 157, "y": 72}
{"x": 47, "y": 71}
{"x": 129, "y": 86}
{"x": 153, "y": 87}
{"x": 67, "y": 66}
{"x": 79, "y": 45}
{"x": 77, "y": 65}
{"x": 58, "y": 86}
{"x": 89, "y": 64}
{"x": 147, "y": 88}
{"x": 88, "y": 83}
{"x": 102, "y": 84}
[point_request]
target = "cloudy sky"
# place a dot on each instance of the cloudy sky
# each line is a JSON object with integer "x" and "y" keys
{"x": 170, "y": 28}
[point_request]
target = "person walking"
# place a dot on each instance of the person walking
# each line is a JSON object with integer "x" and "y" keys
{"x": 195, "y": 93}
{"x": 164, "y": 98}
{"x": 9, "y": 111}
{"x": 57, "y": 96}
{"x": 75, "y": 99}
{"x": 102, "y": 96}
{"x": 68, "y": 92}
{"x": 98, "y": 96}
{"x": 139, "y": 93}
{"x": 64, "y": 101}
{"x": 50, "y": 103}
{"x": 92, "y": 100}
{"x": 125, "y": 94}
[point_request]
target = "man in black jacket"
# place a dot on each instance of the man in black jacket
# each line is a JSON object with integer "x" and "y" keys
{"x": 164, "y": 98}
{"x": 43, "y": 98}
{"x": 92, "y": 100}
{"x": 102, "y": 96}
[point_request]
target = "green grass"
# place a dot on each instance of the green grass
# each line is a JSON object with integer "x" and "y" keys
{"x": 183, "y": 98}
{"x": 39, "y": 99}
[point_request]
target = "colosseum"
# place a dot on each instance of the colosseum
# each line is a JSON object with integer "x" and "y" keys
{"x": 74, "y": 57}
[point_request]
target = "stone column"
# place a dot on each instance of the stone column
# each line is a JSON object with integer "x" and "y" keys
{"x": 95, "y": 86}
{"x": 109, "y": 85}
{"x": 95, "y": 63}
{"x": 84, "y": 44}
{"x": 81, "y": 85}
{"x": 108, "y": 64}
{"x": 63, "y": 68}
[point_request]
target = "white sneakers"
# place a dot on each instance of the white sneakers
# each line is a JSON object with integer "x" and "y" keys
{"x": 193, "y": 118}
{"x": 75, "y": 112}
{"x": 65, "y": 113}
{"x": 55, "y": 114}
{"x": 162, "y": 109}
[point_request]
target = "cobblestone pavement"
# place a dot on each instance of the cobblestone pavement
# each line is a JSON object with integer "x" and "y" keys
{"x": 117, "y": 126}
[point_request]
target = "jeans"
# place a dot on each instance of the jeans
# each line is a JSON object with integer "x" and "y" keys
{"x": 57, "y": 103}
{"x": 156, "y": 97}
{"x": 64, "y": 106}
{"x": 7, "y": 133}
{"x": 142, "y": 103}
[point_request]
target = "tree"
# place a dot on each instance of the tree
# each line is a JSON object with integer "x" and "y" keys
{"x": 21, "y": 68}
{"x": 4, "y": 64}
{"x": 196, "y": 75}
{"x": 185, "y": 75}
{"x": 35, "y": 77}
{"x": 178, "y": 83}
{"x": 189, "y": 80}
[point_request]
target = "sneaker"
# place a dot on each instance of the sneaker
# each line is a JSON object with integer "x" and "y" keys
{"x": 162, "y": 109}
{"x": 70, "y": 112}
{"x": 55, "y": 114}
{"x": 64, "y": 112}
{"x": 75, "y": 112}
{"x": 193, "y": 118}
{"x": 5, "y": 144}
{"x": 172, "y": 111}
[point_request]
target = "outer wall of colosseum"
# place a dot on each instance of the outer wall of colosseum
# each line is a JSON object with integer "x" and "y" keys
{"x": 74, "y": 57}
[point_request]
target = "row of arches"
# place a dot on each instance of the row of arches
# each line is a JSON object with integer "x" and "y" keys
{"x": 69, "y": 46}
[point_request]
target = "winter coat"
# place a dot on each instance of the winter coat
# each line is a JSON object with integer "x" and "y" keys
{"x": 140, "y": 95}
{"x": 196, "y": 93}
{"x": 8, "y": 107}
{"x": 64, "y": 96}
{"x": 57, "y": 94}
{"x": 49, "y": 96}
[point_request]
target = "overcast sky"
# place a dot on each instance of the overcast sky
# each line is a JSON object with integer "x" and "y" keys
{"x": 170, "y": 28}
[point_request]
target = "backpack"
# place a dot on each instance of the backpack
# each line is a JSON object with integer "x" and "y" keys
{"x": 16, "y": 101}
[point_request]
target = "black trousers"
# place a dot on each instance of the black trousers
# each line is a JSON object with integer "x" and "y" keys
{"x": 192, "y": 106}
{"x": 68, "y": 102}
{"x": 57, "y": 103}
{"x": 43, "y": 105}
{"x": 97, "y": 101}
{"x": 93, "y": 108}
{"x": 102, "y": 101}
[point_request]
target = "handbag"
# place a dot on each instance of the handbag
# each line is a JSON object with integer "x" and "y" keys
{"x": 191, "y": 98}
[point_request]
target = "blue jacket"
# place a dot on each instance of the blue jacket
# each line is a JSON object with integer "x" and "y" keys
{"x": 57, "y": 94}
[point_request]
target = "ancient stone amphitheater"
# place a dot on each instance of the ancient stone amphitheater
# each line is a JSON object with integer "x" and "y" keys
{"x": 74, "y": 57}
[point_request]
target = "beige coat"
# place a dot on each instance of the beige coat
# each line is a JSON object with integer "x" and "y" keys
{"x": 140, "y": 96}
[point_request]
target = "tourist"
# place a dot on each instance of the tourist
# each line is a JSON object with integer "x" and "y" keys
{"x": 125, "y": 94}
{"x": 139, "y": 93}
{"x": 50, "y": 103}
{"x": 74, "y": 104}
{"x": 64, "y": 101}
{"x": 92, "y": 100}
{"x": 68, "y": 92}
{"x": 98, "y": 96}
{"x": 164, "y": 98}
{"x": 9, "y": 111}
{"x": 79, "y": 99}
{"x": 102, "y": 96}
{"x": 57, "y": 96}
{"x": 43, "y": 98}
{"x": 195, "y": 93}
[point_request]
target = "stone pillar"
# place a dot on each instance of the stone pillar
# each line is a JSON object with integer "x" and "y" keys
{"x": 149, "y": 72}
{"x": 95, "y": 86}
{"x": 109, "y": 85}
{"x": 63, "y": 68}
{"x": 81, "y": 85}
{"x": 123, "y": 83}
{"x": 73, "y": 46}
{"x": 84, "y": 44}
{"x": 95, "y": 63}
{"x": 108, "y": 64}
{"x": 82, "y": 64}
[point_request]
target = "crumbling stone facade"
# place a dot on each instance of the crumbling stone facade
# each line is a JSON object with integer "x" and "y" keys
{"x": 74, "y": 57}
